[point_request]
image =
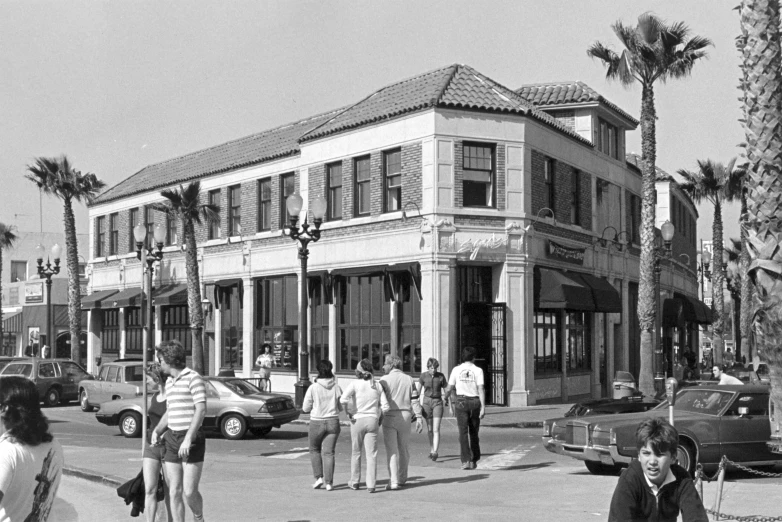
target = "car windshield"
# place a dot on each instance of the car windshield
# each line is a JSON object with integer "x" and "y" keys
{"x": 25, "y": 370}
{"x": 710, "y": 402}
{"x": 240, "y": 386}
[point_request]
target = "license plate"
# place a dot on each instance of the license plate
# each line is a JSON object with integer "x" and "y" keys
{"x": 606, "y": 459}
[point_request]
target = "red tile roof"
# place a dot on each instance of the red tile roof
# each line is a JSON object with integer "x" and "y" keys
{"x": 566, "y": 93}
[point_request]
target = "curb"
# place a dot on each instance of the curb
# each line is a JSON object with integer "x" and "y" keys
{"x": 523, "y": 424}
{"x": 106, "y": 480}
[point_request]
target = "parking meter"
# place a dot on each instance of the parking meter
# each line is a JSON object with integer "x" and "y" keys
{"x": 670, "y": 393}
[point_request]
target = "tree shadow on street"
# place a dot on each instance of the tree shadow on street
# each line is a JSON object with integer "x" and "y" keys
{"x": 417, "y": 482}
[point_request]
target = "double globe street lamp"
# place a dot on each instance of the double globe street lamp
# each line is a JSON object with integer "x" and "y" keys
{"x": 47, "y": 272}
{"x": 304, "y": 234}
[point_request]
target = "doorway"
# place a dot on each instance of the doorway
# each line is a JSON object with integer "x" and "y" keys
{"x": 482, "y": 326}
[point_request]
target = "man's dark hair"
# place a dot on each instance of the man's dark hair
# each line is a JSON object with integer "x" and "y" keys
{"x": 173, "y": 353}
{"x": 20, "y": 411}
{"x": 324, "y": 369}
{"x": 468, "y": 354}
{"x": 663, "y": 437}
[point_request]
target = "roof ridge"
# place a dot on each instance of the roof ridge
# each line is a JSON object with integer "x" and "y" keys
{"x": 446, "y": 83}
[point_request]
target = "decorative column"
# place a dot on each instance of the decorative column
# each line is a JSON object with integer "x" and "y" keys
{"x": 248, "y": 331}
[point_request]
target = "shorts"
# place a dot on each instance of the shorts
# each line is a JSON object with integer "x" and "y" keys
{"x": 265, "y": 373}
{"x": 432, "y": 408}
{"x": 155, "y": 452}
{"x": 173, "y": 440}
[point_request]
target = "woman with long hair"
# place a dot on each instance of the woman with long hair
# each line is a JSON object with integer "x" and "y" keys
{"x": 363, "y": 400}
{"x": 154, "y": 454}
{"x": 264, "y": 362}
{"x": 433, "y": 383}
{"x": 31, "y": 460}
{"x": 322, "y": 403}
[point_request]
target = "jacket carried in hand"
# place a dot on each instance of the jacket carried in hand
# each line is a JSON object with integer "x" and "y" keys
{"x": 634, "y": 500}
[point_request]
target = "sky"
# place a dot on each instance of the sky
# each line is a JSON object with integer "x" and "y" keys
{"x": 120, "y": 85}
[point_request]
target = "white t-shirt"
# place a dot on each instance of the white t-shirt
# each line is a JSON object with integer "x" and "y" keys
{"x": 729, "y": 379}
{"x": 466, "y": 377}
{"x": 29, "y": 478}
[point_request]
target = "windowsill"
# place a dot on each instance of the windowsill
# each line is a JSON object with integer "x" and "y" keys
{"x": 267, "y": 234}
{"x": 215, "y": 242}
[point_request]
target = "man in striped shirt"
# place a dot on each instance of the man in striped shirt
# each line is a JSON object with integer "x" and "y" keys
{"x": 185, "y": 442}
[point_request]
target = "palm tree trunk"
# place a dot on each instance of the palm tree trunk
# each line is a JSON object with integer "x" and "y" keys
{"x": 718, "y": 284}
{"x": 194, "y": 295}
{"x": 762, "y": 55}
{"x": 2, "y": 333}
{"x": 746, "y": 285}
{"x": 647, "y": 294}
{"x": 74, "y": 286}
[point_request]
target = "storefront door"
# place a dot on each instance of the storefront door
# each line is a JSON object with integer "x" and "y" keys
{"x": 482, "y": 326}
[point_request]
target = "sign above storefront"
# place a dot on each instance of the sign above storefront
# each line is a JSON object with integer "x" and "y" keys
{"x": 563, "y": 253}
{"x": 33, "y": 293}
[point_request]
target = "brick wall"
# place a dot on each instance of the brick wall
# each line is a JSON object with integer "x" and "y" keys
{"x": 479, "y": 221}
{"x": 565, "y": 117}
{"x": 585, "y": 200}
{"x": 412, "y": 171}
{"x": 317, "y": 182}
{"x": 563, "y": 191}
{"x": 500, "y": 176}
{"x": 249, "y": 207}
{"x": 458, "y": 174}
{"x": 376, "y": 184}
{"x": 348, "y": 166}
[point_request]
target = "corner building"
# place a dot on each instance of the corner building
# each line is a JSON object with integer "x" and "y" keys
{"x": 460, "y": 212}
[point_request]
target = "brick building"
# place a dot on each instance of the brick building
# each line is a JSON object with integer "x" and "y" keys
{"x": 460, "y": 212}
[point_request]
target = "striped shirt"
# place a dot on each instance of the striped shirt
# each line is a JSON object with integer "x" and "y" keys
{"x": 182, "y": 394}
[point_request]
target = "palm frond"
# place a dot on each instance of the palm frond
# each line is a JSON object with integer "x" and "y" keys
{"x": 7, "y": 236}
{"x": 649, "y": 28}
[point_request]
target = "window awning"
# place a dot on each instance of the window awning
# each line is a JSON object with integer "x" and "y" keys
{"x": 575, "y": 291}
{"x": 221, "y": 287}
{"x": 696, "y": 310}
{"x": 95, "y": 299}
{"x": 170, "y": 295}
{"x": 127, "y": 297}
{"x": 607, "y": 298}
{"x": 12, "y": 323}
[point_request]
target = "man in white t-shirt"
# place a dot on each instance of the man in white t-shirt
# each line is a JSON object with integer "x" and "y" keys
{"x": 470, "y": 406}
{"x": 723, "y": 377}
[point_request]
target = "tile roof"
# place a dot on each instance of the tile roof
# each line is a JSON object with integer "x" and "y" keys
{"x": 267, "y": 145}
{"x": 565, "y": 93}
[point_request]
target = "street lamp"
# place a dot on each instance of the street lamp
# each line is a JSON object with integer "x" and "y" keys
{"x": 48, "y": 271}
{"x": 660, "y": 253}
{"x": 304, "y": 234}
{"x": 703, "y": 270}
{"x": 149, "y": 255}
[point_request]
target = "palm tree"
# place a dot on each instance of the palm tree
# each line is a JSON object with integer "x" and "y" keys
{"x": 761, "y": 52}
{"x": 57, "y": 177}
{"x": 653, "y": 51}
{"x": 185, "y": 204}
{"x": 7, "y": 240}
{"x": 718, "y": 184}
{"x": 733, "y": 282}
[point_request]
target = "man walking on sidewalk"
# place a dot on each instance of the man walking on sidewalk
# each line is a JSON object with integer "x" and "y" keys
{"x": 470, "y": 406}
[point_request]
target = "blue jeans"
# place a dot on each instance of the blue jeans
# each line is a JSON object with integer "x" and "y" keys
{"x": 468, "y": 410}
{"x": 323, "y": 440}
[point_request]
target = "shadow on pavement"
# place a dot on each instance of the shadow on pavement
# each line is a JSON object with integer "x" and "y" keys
{"x": 416, "y": 482}
{"x": 526, "y": 467}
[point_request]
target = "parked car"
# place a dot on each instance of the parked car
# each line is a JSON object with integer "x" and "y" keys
{"x": 57, "y": 379}
{"x": 612, "y": 406}
{"x": 120, "y": 379}
{"x": 233, "y": 406}
{"x": 745, "y": 375}
{"x": 712, "y": 421}
{"x": 5, "y": 360}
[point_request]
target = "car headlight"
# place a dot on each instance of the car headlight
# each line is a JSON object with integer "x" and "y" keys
{"x": 612, "y": 438}
{"x": 546, "y": 429}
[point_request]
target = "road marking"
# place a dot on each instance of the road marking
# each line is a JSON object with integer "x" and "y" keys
{"x": 505, "y": 458}
{"x": 290, "y": 454}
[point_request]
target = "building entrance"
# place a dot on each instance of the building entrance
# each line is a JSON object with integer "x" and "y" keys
{"x": 482, "y": 326}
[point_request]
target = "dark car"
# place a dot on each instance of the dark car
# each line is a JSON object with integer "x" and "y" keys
{"x": 57, "y": 379}
{"x": 712, "y": 421}
{"x": 612, "y": 406}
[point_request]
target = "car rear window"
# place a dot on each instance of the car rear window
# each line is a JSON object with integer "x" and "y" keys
{"x": 134, "y": 373}
{"x": 25, "y": 370}
{"x": 113, "y": 372}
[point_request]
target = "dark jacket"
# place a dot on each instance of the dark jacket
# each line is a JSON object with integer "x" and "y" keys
{"x": 132, "y": 492}
{"x": 633, "y": 500}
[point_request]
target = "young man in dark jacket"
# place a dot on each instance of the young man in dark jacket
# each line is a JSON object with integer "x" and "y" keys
{"x": 653, "y": 488}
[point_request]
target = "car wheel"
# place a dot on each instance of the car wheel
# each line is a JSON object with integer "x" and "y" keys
{"x": 52, "y": 397}
{"x": 685, "y": 456}
{"x": 261, "y": 432}
{"x": 130, "y": 424}
{"x": 598, "y": 468}
{"x": 233, "y": 426}
{"x": 85, "y": 405}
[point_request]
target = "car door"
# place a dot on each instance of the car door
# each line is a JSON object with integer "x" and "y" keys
{"x": 45, "y": 377}
{"x": 213, "y": 404}
{"x": 106, "y": 384}
{"x": 72, "y": 374}
{"x": 743, "y": 437}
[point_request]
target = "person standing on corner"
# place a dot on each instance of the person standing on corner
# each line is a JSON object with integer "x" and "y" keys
{"x": 469, "y": 404}
{"x": 402, "y": 397}
{"x": 185, "y": 442}
{"x": 322, "y": 403}
{"x": 265, "y": 361}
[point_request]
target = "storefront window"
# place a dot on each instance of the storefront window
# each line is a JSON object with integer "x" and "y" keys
{"x": 363, "y": 321}
{"x": 109, "y": 335}
{"x": 319, "y": 325}
{"x": 9, "y": 344}
{"x": 410, "y": 326}
{"x": 548, "y": 358}
{"x": 176, "y": 325}
{"x": 134, "y": 331}
{"x": 277, "y": 320}
{"x": 579, "y": 349}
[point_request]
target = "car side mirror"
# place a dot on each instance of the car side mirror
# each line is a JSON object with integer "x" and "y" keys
{"x": 743, "y": 411}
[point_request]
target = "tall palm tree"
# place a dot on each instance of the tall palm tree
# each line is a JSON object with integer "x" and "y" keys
{"x": 57, "y": 177}
{"x": 185, "y": 204}
{"x": 653, "y": 51}
{"x": 761, "y": 52}
{"x": 718, "y": 184}
{"x": 733, "y": 280}
{"x": 7, "y": 240}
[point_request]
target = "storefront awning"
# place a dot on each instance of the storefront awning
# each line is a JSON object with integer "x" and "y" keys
{"x": 575, "y": 291}
{"x": 94, "y": 300}
{"x": 221, "y": 287}
{"x": 127, "y": 297}
{"x": 673, "y": 313}
{"x": 696, "y": 310}
{"x": 12, "y": 323}
{"x": 170, "y": 295}
{"x": 606, "y": 297}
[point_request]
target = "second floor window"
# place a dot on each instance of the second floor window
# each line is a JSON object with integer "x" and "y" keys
{"x": 362, "y": 191}
{"x": 235, "y": 210}
{"x": 334, "y": 182}
{"x": 287, "y": 188}
{"x": 149, "y": 223}
{"x": 18, "y": 271}
{"x": 392, "y": 174}
{"x": 264, "y": 204}
{"x": 100, "y": 237}
{"x": 548, "y": 179}
{"x": 171, "y": 230}
{"x": 133, "y": 220}
{"x": 214, "y": 226}
{"x": 478, "y": 183}
{"x": 607, "y": 139}
{"x": 113, "y": 234}
{"x": 575, "y": 211}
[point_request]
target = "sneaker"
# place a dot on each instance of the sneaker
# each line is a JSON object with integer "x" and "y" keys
{"x": 389, "y": 487}
{"x": 434, "y": 456}
{"x": 353, "y": 485}
{"x": 318, "y": 483}
{"x": 466, "y": 465}
{"x": 371, "y": 490}
{"x": 473, "y": 465}
{"x": 328, "y": 487}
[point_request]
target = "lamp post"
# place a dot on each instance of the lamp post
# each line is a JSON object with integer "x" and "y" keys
{"x": 48, "y": 271}
{"x": 703, "y": 271}
{"x": 147, "y": 255}
{"x": 304, "y": 233}
{"x": 660, "y": 253}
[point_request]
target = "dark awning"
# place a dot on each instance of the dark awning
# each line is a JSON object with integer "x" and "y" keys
{"x": 606, "y": 297}
{"x": 170, "y": 295}
{"x": 221, "y": 287}
{"x": 696, "y": 310}
{"x": 127, "y": 297}
{"x": 562, "y": 290}
{"x": 673, "y": 313}
{"x": 12, "y": 323}
{"x": 93, "y": 301}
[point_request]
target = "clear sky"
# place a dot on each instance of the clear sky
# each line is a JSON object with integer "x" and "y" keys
{"x": 120, "y": 85}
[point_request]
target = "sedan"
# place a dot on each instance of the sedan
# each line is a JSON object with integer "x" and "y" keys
{"x": 233, "y": 407}
{"x": 611, "y": 406}
{"x": 712, "y": 421}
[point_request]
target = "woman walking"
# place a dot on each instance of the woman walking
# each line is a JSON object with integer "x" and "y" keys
{"x": 322, "y": 403}
{"x": 31, "y": 460}
{"x": 368, "y": 400}
{"x": 154, "y": 455}
{"x": 433, "y": 383}
{"x": 264, "y": 362}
